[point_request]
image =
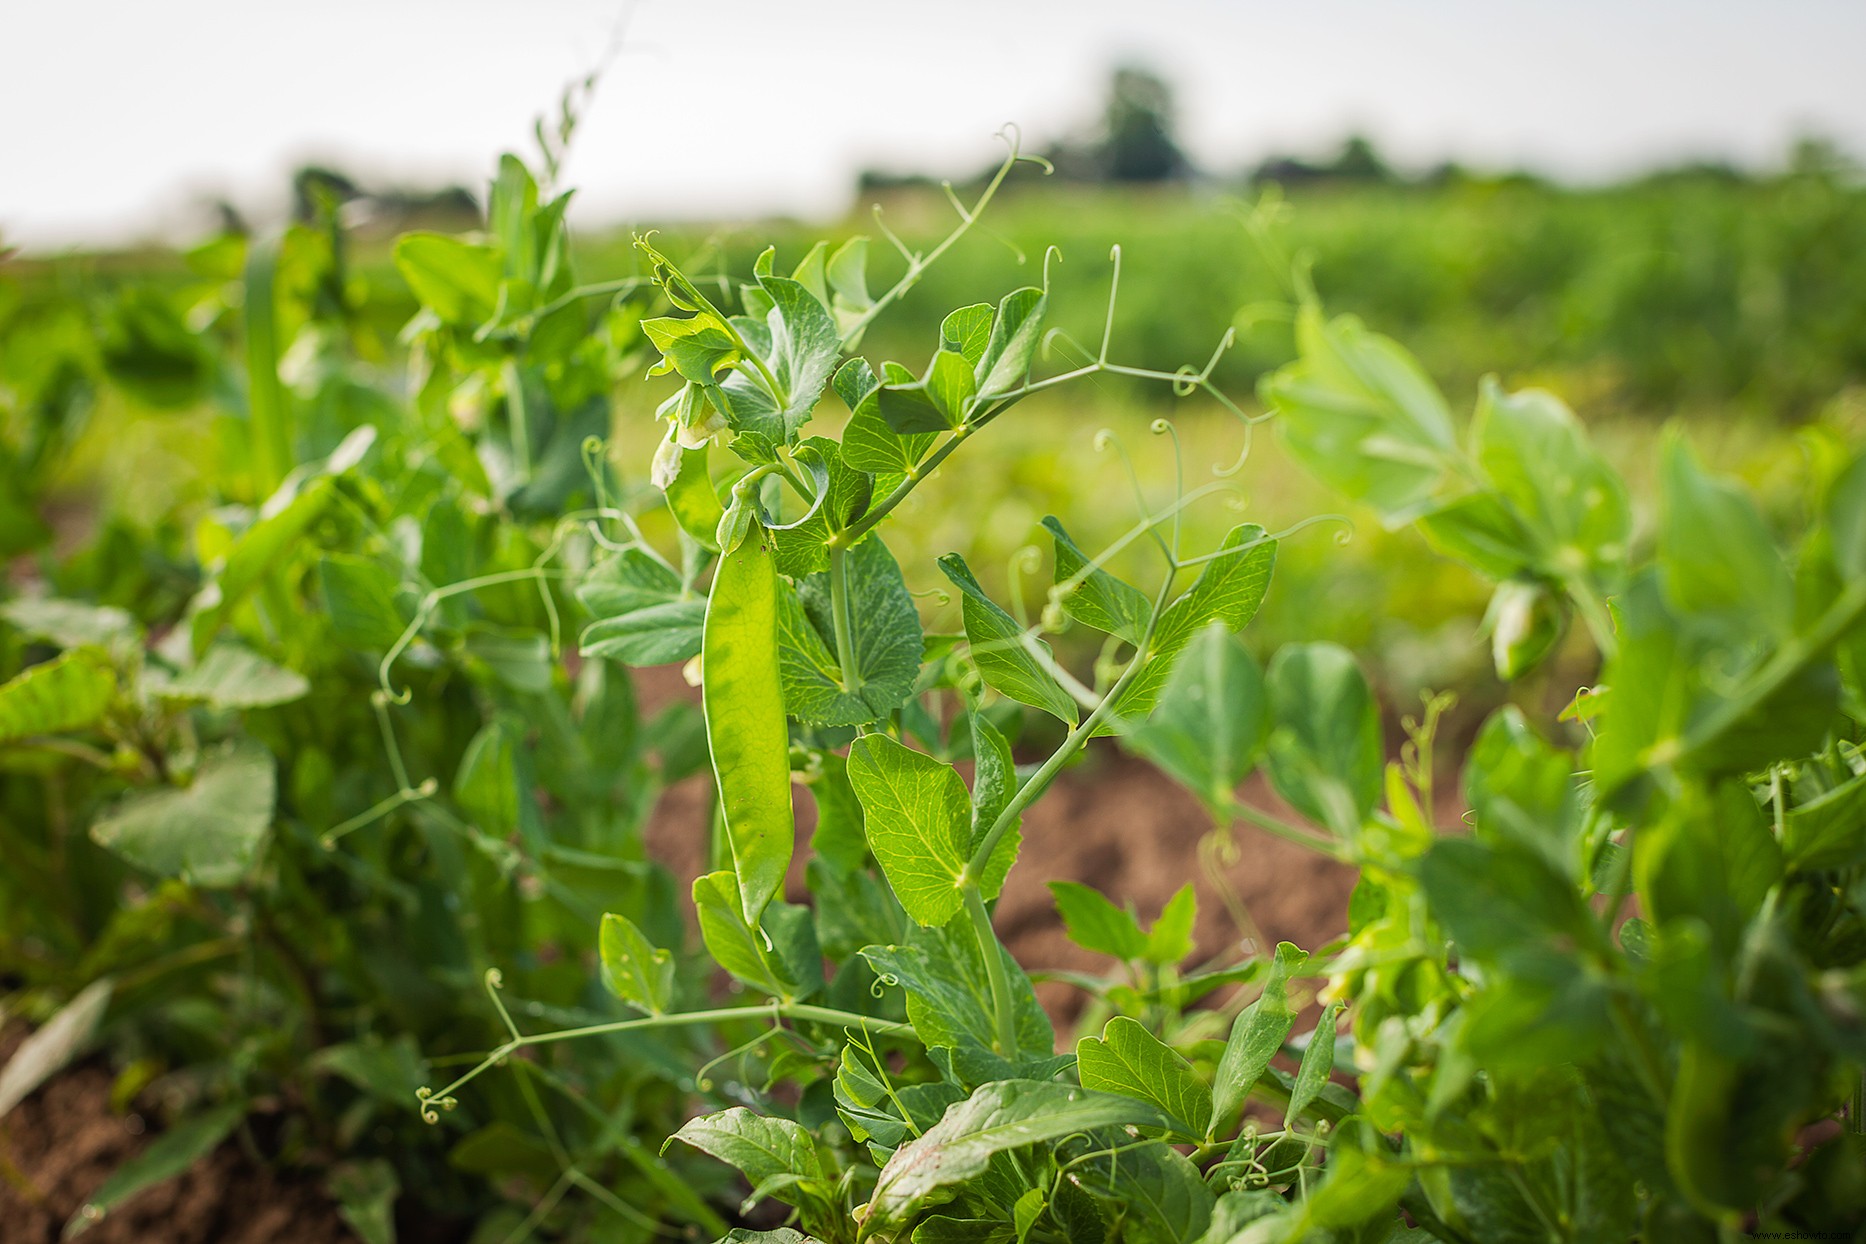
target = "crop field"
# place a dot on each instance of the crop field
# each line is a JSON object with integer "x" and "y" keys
{"x": 1040, "y": 715}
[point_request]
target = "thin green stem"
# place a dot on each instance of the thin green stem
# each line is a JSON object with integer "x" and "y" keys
{"x": 839, "y": 613}
{"x": 443, "y": 1099}
{"x": 1003, "y": 1010}
{"x": 1077, "y": 739}
{"x": 1242, "y": 811}
{"x": 918, "y": 264}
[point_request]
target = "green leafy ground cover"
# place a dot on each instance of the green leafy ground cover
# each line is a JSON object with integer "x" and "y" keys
{"x": 325, "y": 775}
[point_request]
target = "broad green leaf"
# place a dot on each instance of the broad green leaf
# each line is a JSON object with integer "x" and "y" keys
{"x": 842, "y": 496}
{"x": 1717, "y": 559}
{"x": 1229, "y": 589}
{"x": 1209, "y": 725}
{"x": 967, "y": 331}
{"x": 1128, "y": 1059}
{"x": 745, "y": 726}
{"x": 868, "y": 443}
{"x": 806, "y": 346}
{"x": 994, "y": 782}
{"x": 661, "y": 634}
{"x": 207, "y": 833}
{"x": 1828, "y": 831}
{"x": 230, "y": 676}
{"x": 735, "y": 945}
{"x": 168, "y": 1155}
{"x": 941, "y": 1229}
{"x": 1096, "y": 924}
{"x": 1009, "y": 1114}
{"x": 634, "y": 969}
{"x": 919, "y": 820}
{"x": 1360, "y": 414}
{"x": 1318, "y": 1061}
{"x": 487, "y": 784}
{"x": 913, "y": 408}
{"x": 1538, "y": 458}
{"x": 1711, "y": 857}
{"x": 68, "y": 623}
{"x": 951, "y": 385}
{"x": 1015, "y": 334}
{"x": 1169, "y": 941}
{"x": 1325, "y": 754}
{"x": 359, "y": 596}
{"x": 69, "y": 692}
{"x": 458, "y": 281}
{"x": 1095, "y": 597}
{"x": 1521, "y": 789}
{"x": 1158, "y": 1195}
{"x": 998, "y": 650}
{"x": 691, "y": 498}
{"x": 697, "y": 348}
{"x": 949, "y": 996}
{"x": 885, "y": 628}
{"x": 1256, "y": 1036}
{"x": 45, "y": 1052}
{"x": 759, "y": 1146}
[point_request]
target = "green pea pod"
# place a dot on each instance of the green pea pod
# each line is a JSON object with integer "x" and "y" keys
{"x": 745, "y": 725}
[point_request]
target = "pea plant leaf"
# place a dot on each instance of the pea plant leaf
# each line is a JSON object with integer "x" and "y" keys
{"x": 1318, "y": 1062}
{"x": 1094, "y": 597}
{"x": 634, "y": 969}
{"x": 919, "y": 820}
{"x": 1229, "y": 589}
{"x": 69, "y": 692}
{"x": 1325, "y": 755}
{"x": 949, "y": 998}
{"x": 1159, "y": 1196}
{"x": 998, "y": 650}
{"x": 1016, "y": 331}
{"x": 231, "y": 676}
{"x": 1570, "y": 501}
{"x": 1717, "y": 560}
{"x": 1009, "y": 1114}
{"x": 1361, "y": 415}
{"x": 1096, "y": 924}
{"x": 1256, "y": 1036}
{"x": 868, "y": 442}
{"x": 1128, "y": 1059}
{"x": 779, "y": 957}
{"x": 168, "y": 1155}
{"x": 760, "y": 1147}
{"x": 208, "y": 832}
{"x": 886, "y": 635}
{"x": 1209, "y": 726}
{"x": 994, "y": 782}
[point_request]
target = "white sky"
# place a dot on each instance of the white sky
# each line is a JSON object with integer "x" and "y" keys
{"x": 117, "y": 115}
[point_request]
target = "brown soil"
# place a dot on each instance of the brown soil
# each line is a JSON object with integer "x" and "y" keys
{"x": 58, "y": 1145}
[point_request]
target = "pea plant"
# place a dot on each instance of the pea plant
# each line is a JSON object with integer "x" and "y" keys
{"x": 269, "y": 756}
{"x": 1621, "y": 1000}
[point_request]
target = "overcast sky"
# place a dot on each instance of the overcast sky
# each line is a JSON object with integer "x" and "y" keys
{"x": 117, "y": 115}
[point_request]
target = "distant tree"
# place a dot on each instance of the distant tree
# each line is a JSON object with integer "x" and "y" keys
{"x": 1137, "y": 142}
{"x": 317, "y": 190}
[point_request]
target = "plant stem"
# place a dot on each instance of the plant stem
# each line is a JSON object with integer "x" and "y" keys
{"x": 839, "y": 613}
{"x": 1003, "y": 1010}
{"x": 681, "y": 1019}
{"x": 1282, "y": 829}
